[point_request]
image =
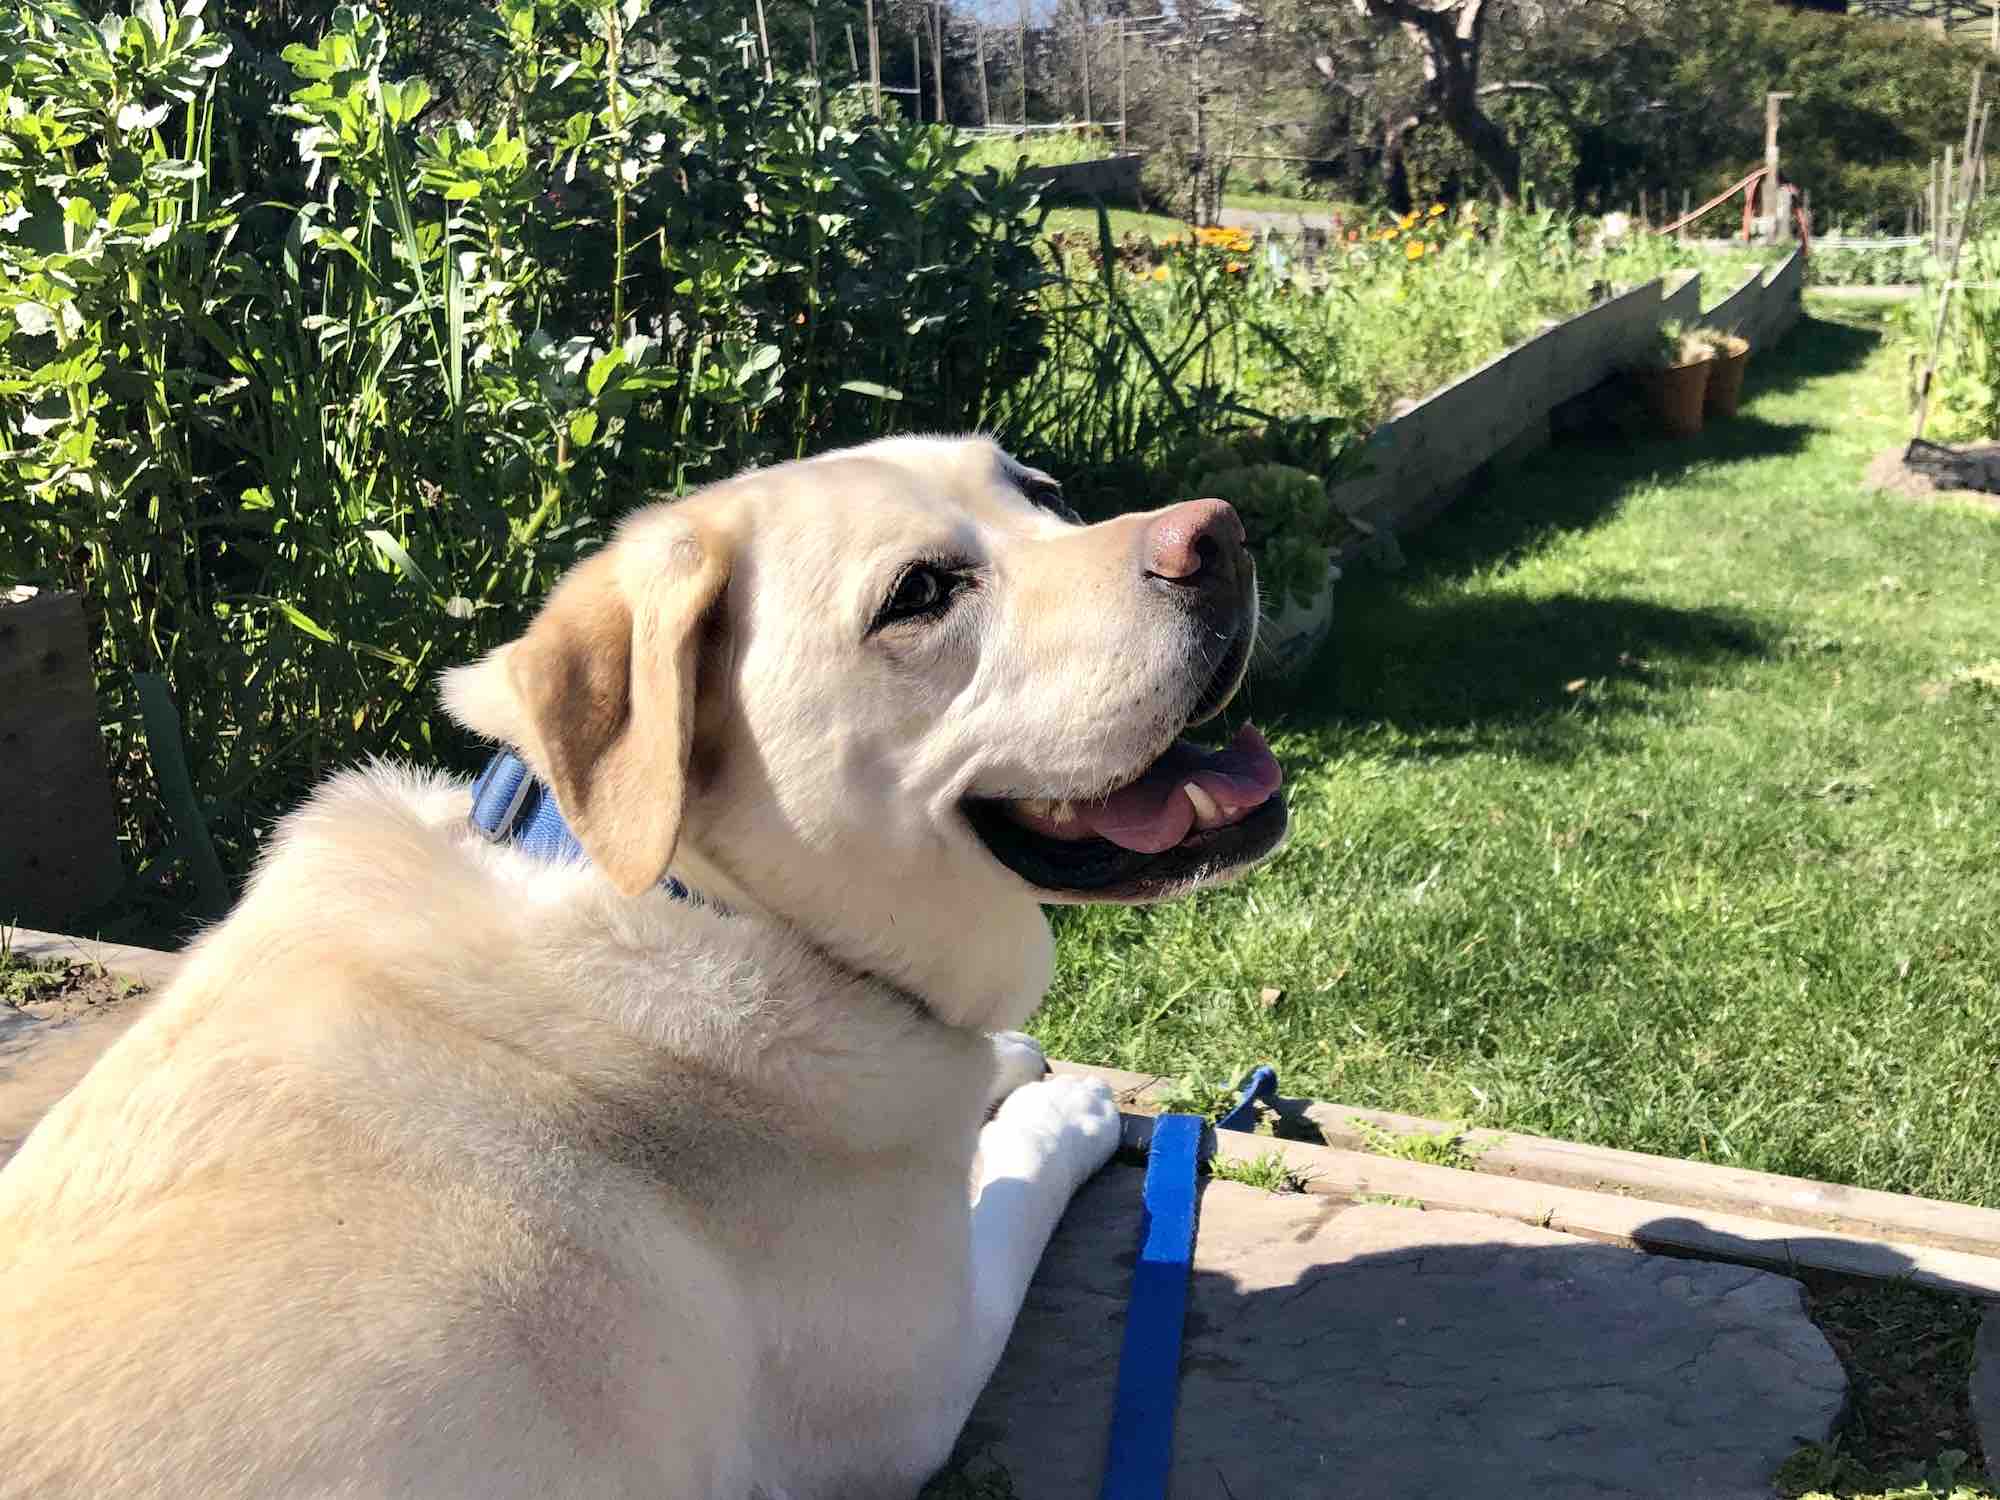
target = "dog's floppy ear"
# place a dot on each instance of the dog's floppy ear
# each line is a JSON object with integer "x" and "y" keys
{"x": 602, "y": 691}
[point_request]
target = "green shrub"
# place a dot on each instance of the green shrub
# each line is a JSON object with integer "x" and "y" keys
{"x": 1891, "y": 265}
{"x": 301, "y": 455}
{"x": 1288, "y": 522}
{"x": 1042, "y": 148}
{"x": 1676, "y": 344}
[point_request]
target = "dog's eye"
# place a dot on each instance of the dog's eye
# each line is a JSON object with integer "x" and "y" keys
{"x": 922, "y": 589}
{"x": 1046, "y": 493}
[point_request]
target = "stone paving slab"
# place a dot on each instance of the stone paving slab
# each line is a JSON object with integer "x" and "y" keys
{"x": 43, "y": 1059}
{"x": 1983, "y": 1393}
{"x": 1379, "y": 1352}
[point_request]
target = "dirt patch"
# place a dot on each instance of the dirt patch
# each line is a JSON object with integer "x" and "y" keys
{"x": 1929, "y": 471}
{"x": 1908, "y": 1355}
{"x": 61, "y": 992}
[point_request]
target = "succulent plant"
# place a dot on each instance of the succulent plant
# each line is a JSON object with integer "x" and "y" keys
{"x": 1287, "y": 519}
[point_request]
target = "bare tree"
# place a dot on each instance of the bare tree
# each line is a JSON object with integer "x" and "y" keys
{"x": 1449, "y": 36}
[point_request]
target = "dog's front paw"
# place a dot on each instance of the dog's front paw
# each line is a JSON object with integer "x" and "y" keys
{"x": 1068, "y": 1120}
{"x": 1017, "y": 1060}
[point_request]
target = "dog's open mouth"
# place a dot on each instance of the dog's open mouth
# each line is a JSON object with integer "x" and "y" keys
{"x": 1192, "y": 815}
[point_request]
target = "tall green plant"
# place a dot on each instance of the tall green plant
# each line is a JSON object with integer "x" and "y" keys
{"x": 299, "y": 455}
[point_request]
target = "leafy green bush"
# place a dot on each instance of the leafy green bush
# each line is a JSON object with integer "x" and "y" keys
{"x": 1042, "y": 148}
{"x": 1891, "y": 265}
{"x": 1965, "y": 393}
{"x": 298, "y": 456}
{"x": 1287, "y": 522}
{"x": 1675, "y": 345}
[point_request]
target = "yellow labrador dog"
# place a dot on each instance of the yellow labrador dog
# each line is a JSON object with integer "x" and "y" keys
{"x": 450, "y": 1169}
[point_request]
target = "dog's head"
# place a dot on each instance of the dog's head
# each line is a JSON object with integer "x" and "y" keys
{"x": 899, "y": 697}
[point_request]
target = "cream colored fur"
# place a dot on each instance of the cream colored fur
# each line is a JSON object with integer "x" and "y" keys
{"x": 442, "y": 1171}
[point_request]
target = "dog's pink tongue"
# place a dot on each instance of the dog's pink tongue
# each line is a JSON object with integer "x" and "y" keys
{"x": 1155, "y": 812}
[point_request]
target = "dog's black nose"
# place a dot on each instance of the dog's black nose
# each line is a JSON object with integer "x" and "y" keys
{"x": 1196, "y": 544}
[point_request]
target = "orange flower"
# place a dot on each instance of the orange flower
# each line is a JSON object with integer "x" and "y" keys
{"x": 1414, "y": 250}
{"x": 1232, "y": 267}
{"x": 1407, "y": 220}
{"x": 1159, "y": 273}
{"x": 1436, "y": 209}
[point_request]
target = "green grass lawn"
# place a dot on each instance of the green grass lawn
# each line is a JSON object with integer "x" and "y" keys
{"x": 1654, "y": 804}
{"x": 1315, "y": 208}
{"x": 1082, "y": 220}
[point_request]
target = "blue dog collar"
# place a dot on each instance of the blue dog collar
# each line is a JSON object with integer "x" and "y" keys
{"x": 510, "y": 805}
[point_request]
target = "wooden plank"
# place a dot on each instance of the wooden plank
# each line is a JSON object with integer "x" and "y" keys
{"x": 59, "y": 853}
{"x": 1661, "y": 1229}
{"x": 1768, "y": 1198}
{"x": 1424, "y": 458}
{"x": 1683, "y": 300}
{"x": 1742, "y": 309}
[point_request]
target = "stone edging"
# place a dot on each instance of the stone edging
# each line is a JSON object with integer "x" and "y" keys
{"x": 1652, "y": 1202}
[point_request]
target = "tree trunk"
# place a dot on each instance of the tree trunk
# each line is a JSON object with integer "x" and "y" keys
{"x": 1394, "y": 167}
{"x": 1449, "y": 35}
{"x": 1490, "y": 145}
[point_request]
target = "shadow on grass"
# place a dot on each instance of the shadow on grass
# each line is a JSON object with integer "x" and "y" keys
{"x": 1465, "y": 672}
{"x": 1575, "y": 484}
{"x": 1464, "y": 669}
{"x": 1815, "y": 348}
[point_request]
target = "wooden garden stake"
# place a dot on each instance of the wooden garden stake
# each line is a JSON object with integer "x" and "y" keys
{"x": 1121, "y": 83}
{"x": 1021, "y": 34}
{"x": 874, "y": 59}
{"x": 1083, "y": 9}
{"x": 1972, "y": 117}
{"x": 1950, "y": 284}
{"x": 937, "y": 56}
{"x": 979, "y": 54}
{"x": 1947, "y": 200}
{"x": 1772, "y": 101}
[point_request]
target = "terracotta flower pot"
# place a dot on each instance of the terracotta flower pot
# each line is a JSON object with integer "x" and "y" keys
{"x": 1725, "y": 385}
{"x": 1674, "y": 396}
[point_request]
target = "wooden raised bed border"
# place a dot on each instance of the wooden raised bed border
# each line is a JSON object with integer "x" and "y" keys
{"x": 1654, "y": 1203}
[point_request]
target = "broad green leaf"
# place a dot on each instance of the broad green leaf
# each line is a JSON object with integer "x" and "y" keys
{"x": 138, "y": 117}
{"x": 602, "y": 369}
{"x": 305, "y": 622}
{"x": 392, "y": 549}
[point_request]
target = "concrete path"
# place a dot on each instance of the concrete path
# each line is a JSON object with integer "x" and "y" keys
{"x": 1382, "y": 1352}
{"x": 1290, "y": 225}
{"x": 44, "y": 1057}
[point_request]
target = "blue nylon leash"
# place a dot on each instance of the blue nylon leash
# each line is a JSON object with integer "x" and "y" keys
{"x": 511, "y": 806}
{"x": 1149, "y": 1365}
{"x": 1261, "y": 1087}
